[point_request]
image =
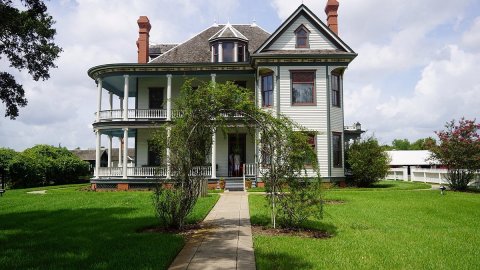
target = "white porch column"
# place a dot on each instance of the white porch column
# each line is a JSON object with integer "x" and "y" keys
{"x": 213, "y": 75}
{"x": 97, "y": 154}
{"x": 120, "y": 145}
{"x": 220, "y": 52}
{"x": 125, "y": 98}
{"x": 110, "y": 100}
{"x": 214, "y": 154}
{"x": 169, "y": 173}
{"x": 169, "y": 97}
{"x": 125, "y": 152}
{"x": 109, "y": 151}
{"x": 99, "y": 107}
{"x": 235, "y": 52}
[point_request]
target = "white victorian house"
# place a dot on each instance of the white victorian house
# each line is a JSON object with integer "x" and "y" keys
{"x": 296, "y": 71}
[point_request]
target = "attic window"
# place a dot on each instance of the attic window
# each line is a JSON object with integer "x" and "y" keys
{"x": 302, "y": 34}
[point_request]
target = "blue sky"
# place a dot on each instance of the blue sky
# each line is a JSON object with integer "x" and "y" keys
{"x": 417, "y": 66}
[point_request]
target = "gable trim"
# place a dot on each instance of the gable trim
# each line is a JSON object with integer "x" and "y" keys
{"x": 310, "y": 16}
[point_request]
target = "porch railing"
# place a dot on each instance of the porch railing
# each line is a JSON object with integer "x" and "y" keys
{"x": 250, "y": 169}
{"x": 150, "y": 171}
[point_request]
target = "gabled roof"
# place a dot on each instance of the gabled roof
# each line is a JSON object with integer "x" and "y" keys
{"x": 197, "y": 49}
{"x": 228, "y": 32}
{"x": 303, "y": 10}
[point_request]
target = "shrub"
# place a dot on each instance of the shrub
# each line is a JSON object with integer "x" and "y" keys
{"x": 27, "y": 170}
{"x": 304, "y": 200}
{"x": 44, "y": 164}
{"x": 368, "y": 161}
{"x": 459, "y": 150}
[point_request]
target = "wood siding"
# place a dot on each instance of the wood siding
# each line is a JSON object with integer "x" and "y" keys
{"x": 287, "y": 40}
{"x": 312, "y": 117}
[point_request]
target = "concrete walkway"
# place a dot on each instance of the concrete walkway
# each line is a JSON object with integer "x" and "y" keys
{"x": 226, "y": 242}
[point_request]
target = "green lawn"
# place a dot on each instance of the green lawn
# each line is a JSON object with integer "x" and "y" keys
{"x": 393, "y": 226}
{"x": 71, "y": 229}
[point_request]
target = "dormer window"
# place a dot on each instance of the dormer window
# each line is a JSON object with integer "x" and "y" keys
{"x": 302, "y": 34}
{"x": 228, "y": 45}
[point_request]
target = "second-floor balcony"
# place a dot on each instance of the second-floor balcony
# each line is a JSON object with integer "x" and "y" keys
{"x": 144, "y": 114}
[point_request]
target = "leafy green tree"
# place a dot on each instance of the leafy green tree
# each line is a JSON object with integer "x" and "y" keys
{"x": 6, "y": 157}
{"x": 368, "y": 161}
{"x": 26, "y": 40}
{"x": 213, "y": 107}
{"x": 401, "y": 144}
{"x": 45, "y": 164}
{"x": 459, "y": 150}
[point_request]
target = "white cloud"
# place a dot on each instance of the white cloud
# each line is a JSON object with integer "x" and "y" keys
{"x": 448, "y": 89}
{"x": 471, "y": 38}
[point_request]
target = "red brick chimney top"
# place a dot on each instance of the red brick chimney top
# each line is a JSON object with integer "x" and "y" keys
{"x": 331, "y": 10}
{"x": 143, "y": 39}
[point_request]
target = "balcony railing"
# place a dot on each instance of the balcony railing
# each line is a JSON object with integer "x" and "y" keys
{"x": 153, "y": 114}
{"x": 133, "y": 114}
{"x": 149, "y": 171}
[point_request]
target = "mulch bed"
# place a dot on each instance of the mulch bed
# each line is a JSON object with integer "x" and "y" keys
{"x": 307, "y": 233}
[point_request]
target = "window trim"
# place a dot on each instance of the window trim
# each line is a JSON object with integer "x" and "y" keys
{"x": 307, "y": 37}
{"x": 338, "y": 101}
{"x": 314, "y": 89}
{"x": 334, "y": 164}
{"x": 262, "y": 90}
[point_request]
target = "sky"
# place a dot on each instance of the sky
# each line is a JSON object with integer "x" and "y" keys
{"x": 417, "y": 64}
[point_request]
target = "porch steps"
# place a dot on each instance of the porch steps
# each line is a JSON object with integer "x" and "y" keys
{"x": 234, "y": 184}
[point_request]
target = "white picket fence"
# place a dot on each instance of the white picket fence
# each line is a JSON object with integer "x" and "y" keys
{"x": 433, "y": 176}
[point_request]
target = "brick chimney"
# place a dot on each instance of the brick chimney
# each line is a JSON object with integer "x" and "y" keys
{"x": 143, "y": 39}
{"x": 331, "y": 10}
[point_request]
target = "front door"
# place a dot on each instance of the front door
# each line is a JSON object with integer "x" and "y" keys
{"x": 236, "y": 153}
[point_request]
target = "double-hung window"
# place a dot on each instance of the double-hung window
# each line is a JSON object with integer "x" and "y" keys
{"x": 336, "y": 85}
{"x": 303, "y": 87}
{"x": 267, "y": 90}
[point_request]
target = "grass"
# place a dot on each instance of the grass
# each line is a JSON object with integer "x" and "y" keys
{"x": 71, "y": 229}
{"x": 398, "y": 226}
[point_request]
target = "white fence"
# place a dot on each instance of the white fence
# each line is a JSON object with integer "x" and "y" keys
{"x": 433, "y": 176}
{"x": 398, "y": 174}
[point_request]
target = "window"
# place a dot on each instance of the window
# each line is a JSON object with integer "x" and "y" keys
{"x": 240, "y": 53}
{"x": 336, "y": 85}
{"x": 227, "y": 52}
{"x": 337, "y": 149}
{"x": 267, "y": 90}
{"x": 302, "y": 37}
{"x": 215, "y": 53}
{"x": 155, "y": 98}
{"x": 303, "y": 87}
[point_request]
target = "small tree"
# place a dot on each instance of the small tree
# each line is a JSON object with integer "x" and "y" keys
{"x": 459, "y": 150}
{"x": 368, "y": 161}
